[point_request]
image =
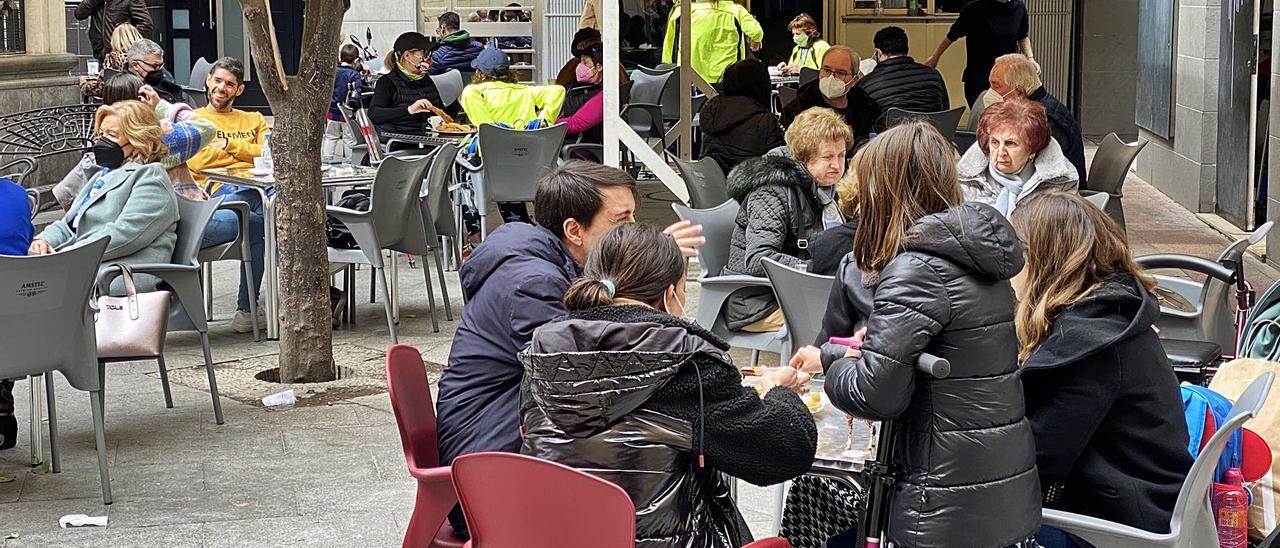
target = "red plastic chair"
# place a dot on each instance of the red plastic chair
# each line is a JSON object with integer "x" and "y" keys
{"x": 416, "y": 417}
{"x": 514, "y": 501}
{"x": 772, "y": 542}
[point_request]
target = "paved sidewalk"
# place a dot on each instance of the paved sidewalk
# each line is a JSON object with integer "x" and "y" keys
{"x": 330, "y": 475}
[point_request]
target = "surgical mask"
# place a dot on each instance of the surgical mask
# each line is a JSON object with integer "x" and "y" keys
{"x": 584, "y": 74}
{"x": 154, "y": 78}
{"x": 801, "y": 40}
{"x": 832, "y": 87}
{"x": 991, "y": 97}
{"x": 107, "y": 153}
{"x": 684, "y": 312}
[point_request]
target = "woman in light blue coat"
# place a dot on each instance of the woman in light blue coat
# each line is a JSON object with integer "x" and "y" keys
{"x": 131, "y": 199}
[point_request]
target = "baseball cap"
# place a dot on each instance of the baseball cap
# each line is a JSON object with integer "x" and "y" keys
{"x": 490, "y": 60}
{"x": 410, "y": 41}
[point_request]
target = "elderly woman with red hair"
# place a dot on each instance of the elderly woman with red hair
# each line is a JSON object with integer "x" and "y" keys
{"x": 1014, "y": 158}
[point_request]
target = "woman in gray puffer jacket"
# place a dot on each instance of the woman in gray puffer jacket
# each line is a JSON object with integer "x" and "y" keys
{"x": 936, "y": 272}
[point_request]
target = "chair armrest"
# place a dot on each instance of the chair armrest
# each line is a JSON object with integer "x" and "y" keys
{"x": 439, "y": 474}
{"x": 241, "y": 210}
{"x": 735, "y": 280}
{"x": 1096, "y": 531}
{"x": 108, "y": 275}
{"x": 654, "y": 111}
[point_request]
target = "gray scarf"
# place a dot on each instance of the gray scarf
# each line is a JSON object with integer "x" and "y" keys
{"x": 1010, "y": 185}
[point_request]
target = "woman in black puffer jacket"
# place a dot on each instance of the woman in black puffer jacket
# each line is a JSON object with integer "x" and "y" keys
{"x": 936, "y": 273}
{"x": 625, "y": 389}
{"x": 737, "y": 124}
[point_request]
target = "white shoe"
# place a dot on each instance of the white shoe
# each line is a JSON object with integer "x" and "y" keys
{"x": 242, "y": 322}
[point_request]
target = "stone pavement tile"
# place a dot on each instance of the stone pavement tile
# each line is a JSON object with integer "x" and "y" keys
{"x": 338, "y": 415}
{"x": 35, "y": 517}
{"x": 352, "y": 466}
{"x": 201, "y": 447}
{"x": 368, "y": 527}
{"x": 247, "y": 501}
{"x": 9, "y": 491}
{"x": 335, "y": 498}
{"x": 126, "y": 481}
{"x": 188, "y": 535}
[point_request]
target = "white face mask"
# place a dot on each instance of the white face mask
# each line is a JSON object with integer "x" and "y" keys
{"x": 832, "y": 87}
{"x": 684, "y": 313}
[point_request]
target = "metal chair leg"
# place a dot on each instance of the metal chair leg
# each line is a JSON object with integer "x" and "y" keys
{"x": 755, "y": 358}
{"x": 55, "y": 454}
{"x": 213, "y": 381}
{"x": 444, "y": 288}
{"x": 253, "y": 302}
{"x": 386, "y": 304}
{"x": 100, "y": 441}
{"x": 373, "y": 286}
{"x": 164, "y": 382}
{"x": 206, "y": 282}
{"x": 431, "y": 298}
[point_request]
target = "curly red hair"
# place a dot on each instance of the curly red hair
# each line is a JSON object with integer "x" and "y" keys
{"x": 1028, "y": 117}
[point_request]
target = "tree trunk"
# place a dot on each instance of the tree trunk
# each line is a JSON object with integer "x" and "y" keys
{"x": 299, "y": 103}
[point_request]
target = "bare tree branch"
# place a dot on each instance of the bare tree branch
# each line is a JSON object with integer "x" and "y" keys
{"x": 266, "y": 55}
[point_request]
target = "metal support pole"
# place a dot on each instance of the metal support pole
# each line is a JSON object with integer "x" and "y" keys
{"x": 686, "y": 74}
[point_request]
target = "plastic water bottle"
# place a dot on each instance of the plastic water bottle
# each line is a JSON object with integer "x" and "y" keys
{"x": 267, "y": 163}
{"x": 1231, "y": 511}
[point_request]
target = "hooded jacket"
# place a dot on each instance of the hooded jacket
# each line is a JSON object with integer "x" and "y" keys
{"x": 105, "y": 15}
{"x": 966, "y": 457}
{"x": 781, "y": 211}
{"x": 634, "y": 396}
{"x": 1065, "y": 129}
{"x": 456, "y": 51}
{"x": 736, "y": 128}
{"x": 1106, "y": 410}
{"x": 513, "y": 283}
{"x": 903, "y": 83}
{"x": 1052, "y": 172}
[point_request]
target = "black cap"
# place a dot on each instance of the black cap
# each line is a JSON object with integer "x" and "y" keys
{"x": 410, "y": 41}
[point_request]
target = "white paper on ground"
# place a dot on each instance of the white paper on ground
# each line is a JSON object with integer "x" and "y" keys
{"x": 280, "y": 398}
{"x": 82, "y": 520}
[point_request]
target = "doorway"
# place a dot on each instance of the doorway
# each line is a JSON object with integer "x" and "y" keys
{"x": 1243, "y": 111}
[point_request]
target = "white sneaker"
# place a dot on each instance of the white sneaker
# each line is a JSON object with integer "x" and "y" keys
{"x": 242, "y": 322}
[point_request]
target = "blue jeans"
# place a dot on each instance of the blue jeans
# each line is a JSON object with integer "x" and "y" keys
{"x": 225, "y": 226}
{"x": 1053, "y": 537}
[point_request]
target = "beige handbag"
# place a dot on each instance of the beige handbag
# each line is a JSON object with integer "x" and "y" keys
{"x": 132, "y": 326}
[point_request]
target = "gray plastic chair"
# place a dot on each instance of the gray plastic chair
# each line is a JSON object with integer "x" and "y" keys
{"x": 1109, "y": 170}
{"x": 186, "y": 313}
{"x": 802, "y": 296}
{"x": 643, "y": 111}
{"x": 717, "y": 227}
{"x": 705, "y": 181}
{"x": 975, "y": 112}
{"x": 513, "y": 163}
{"x": 438, "y": 209}
{"x": 669, "y": 101}
{"x": 1099, "y": 200}
{"x": 18, "y": 169}
{"x": 1192, "y": 525}
{"x": 946, "y": 121}
{"x": 235, "y": 250}
{"x": 807, "y": 75}
{"x": 449, "y": 85}
{"x": 394, "y": 221}
{"x": 196, "y": 87}
{"x": 786, "y": 95}
{"x": 44, "y": 306}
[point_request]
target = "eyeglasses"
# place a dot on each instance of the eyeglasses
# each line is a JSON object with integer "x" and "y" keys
{"x": 150, "y": 66}
{"x": 841, "y": 74}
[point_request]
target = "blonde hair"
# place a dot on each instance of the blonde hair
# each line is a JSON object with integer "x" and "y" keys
{"x": 847, "y": 193}
{"x": 138, "y": 124}
{"x": 1019, "y": 72}
{"x": 805, "y": 23}
{"x": 1071, "y": 248}
{"x": 905, "y": 173}
{"x": 124, "y": 36}
{"x": 814, "y": 127}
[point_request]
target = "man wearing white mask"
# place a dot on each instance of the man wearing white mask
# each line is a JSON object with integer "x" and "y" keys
{"x": 835, "y": 89}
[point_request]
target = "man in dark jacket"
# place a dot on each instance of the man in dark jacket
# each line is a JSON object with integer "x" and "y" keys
{"x": 457, "y": 50}
{"x": 145, "y": 59}
{"x": 836, "y": 89}
{"x": 514, "y": 282}
{"x": 105, "y": 15}
{"x": 1017, "y": 76}
{"x": 899, "y": 81}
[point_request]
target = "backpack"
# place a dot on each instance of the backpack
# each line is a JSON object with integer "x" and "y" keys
{"x": 1204, "y": 410}
{"x": 1261, "y": 338}
{"x": 335, "y": 231}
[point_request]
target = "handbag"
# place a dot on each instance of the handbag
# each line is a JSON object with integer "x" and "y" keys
{"x": 132, "y": 326}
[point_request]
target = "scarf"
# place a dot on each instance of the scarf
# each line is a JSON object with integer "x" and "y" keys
{"x": 1010, "y": 185}
{"x": 411, "y": 76}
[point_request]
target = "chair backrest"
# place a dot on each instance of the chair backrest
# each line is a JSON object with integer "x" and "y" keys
{"x": 1111, "y": 164}
{"x": 1192, "y": 511}
{"x": 946, "y": 121}
{"x": 802, "y": 296}
{"x": 975, "y": 112}
{"x": 199, "y": 74}
{"x": 438, "y": 202}
{"x": 516, "y": 500}
{"x": 1100, "y": 200}
{"x": 648, "y": 87}
{"x": 410, "y": 393}
{"x": 18, "y": 169}
{"x": 717, "y": 228}
{"x": 515, "y": 160}
{"x": 786, "y": 95}
{"x": 395, "y": 204}
{"x": 44, "y": 306}
{"x": 669, "y": 100}
{"x": 449, "y": 85}
{"x": 808, "y": 75}
{"x": 705, "y": 181}
{"x": 193, "y": 219}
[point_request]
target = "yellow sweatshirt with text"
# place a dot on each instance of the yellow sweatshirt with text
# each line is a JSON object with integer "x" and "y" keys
{"x": 244, "y": 133}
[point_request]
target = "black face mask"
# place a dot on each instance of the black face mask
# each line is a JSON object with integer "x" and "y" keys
{"x": 154, "y": 77}
{"x": 107, "y": 153}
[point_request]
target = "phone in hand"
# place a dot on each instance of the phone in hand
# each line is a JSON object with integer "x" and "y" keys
{"x": 846, "y": 341}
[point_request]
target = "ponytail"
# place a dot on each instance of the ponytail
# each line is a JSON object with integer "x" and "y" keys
{"x": 391, "y": 61}
{"x": 630, "y": 261}
{"x": 586, "y": 293}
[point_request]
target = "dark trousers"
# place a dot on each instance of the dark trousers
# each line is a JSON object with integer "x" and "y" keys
{"x": 6, "y": 397}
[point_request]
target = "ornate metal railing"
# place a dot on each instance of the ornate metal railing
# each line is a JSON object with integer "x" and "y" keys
{"x": 47, "y": 131}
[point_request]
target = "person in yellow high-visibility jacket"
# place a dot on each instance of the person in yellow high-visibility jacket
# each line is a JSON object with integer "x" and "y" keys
{"x": 810, "y": 47}
{"x": 720, "y": 28}
{"x": 494, "y": 97}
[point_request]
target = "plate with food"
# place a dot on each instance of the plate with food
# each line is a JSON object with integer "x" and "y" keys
{"x": 447, "y": 125}
{"x": 815, "y": 401}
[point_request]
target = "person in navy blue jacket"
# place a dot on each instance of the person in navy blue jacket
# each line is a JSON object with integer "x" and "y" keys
{"x": 16, "y": 231}
{"x": 348, "y": 83}
{"x": 457, "y": 49}
{"x": 514, "y": 282}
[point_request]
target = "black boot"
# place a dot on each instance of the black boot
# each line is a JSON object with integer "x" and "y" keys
{"x": 8, "y": 431}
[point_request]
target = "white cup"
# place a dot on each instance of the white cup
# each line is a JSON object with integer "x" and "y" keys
{"x": 258, "y": 164}
{"x": 435, "y": 121}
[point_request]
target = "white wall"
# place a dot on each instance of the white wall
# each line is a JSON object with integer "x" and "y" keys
{"x": 387, "y": 18}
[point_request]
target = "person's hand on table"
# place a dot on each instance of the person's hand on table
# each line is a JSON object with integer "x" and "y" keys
{"x": 807, "y": 360}
{"x": 688, "y": 236}
{"x": 787, "y": 377}
{"x": 148, "y": 95}
{"x": 420, "y": 106}
{"x": 39, "y": 247}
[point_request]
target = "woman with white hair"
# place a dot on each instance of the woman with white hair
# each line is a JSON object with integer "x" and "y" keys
{"x": 1017, "y": 76}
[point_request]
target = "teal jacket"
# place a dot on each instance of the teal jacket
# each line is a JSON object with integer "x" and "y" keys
{"x": 135, "y": 206}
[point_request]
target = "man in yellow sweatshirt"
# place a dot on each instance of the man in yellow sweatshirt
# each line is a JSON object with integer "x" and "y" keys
{"x": 240, "y": 137}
